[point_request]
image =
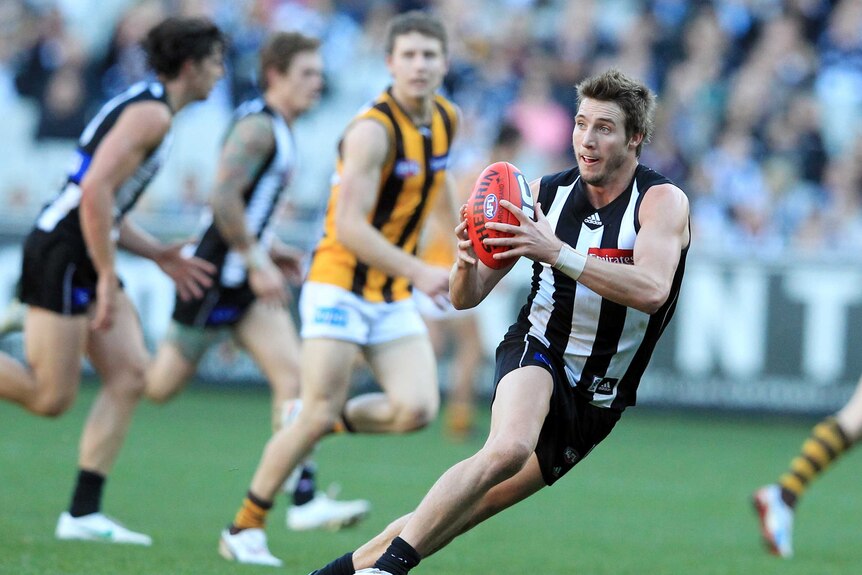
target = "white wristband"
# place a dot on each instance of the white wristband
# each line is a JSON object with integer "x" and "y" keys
{"x": 570, "y": 262}
{"x": 256, "y": 257}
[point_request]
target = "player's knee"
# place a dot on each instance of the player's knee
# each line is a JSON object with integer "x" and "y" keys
{"x": 130, "y": 381}
{"x": 504, "y": 459}
{"x": 52, "y": 406}
{"x": 318, "y": 418}
{"x": 158, "y": 394}
{"x": 415, "y": 416}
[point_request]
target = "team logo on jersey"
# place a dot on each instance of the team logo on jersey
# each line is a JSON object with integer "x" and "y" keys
{"x": 593, "y": 222}
{"x": 438, "y": 163}
{"x": 613, "y": 255}
{"x": 406, "y": 168}
{"x": 603, "y": 385}
{"x": 490, "y": 206}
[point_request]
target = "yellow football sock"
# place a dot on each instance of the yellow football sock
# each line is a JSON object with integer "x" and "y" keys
{"x": 826, "y": 443}
{"x": 252, "y": 514}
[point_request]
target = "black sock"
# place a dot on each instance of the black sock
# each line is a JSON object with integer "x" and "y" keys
{"x": 87, "y": 497}
{"x": 305, "y": 487}
{"x": 399, "y": 558}
{"x": 341, "y": 566}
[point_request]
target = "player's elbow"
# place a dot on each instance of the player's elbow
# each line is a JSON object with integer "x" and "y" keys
{"x": 653, "y": 299}
{"x": 460, "y": 298}
{"x": 345, "y": 228}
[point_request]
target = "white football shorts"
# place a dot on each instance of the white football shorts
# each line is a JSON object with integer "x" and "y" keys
{"x": 328, "y": 311}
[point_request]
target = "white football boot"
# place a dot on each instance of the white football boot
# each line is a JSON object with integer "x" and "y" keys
{"x": 97, "y": 527}
{"x": 372, "y": 571}
{"x": 248, "y": 546}
{"x": 776, "y": 520}
{"x": 325, "y": 512}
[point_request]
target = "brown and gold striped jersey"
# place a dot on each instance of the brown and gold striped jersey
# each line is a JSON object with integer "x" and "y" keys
{"x": 410, "y": 181}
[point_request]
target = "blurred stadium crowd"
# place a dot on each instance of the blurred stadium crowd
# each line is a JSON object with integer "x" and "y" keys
{"x": 760, "y": 100}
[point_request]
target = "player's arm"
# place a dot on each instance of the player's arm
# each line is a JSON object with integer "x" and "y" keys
{"x": 664, "y": 232}
{"x": 365, "y": 149}
{"x": 246, "y": 150}
{"x": 644, "y": 286}
{"x": 139, "y": 130}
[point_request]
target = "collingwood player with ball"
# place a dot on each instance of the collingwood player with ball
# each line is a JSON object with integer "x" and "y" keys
{"x": 608, "y": 242}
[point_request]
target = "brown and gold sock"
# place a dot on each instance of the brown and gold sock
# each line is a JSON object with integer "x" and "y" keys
{"x": 252, "y": 514}
{"x": 826, "y": 443}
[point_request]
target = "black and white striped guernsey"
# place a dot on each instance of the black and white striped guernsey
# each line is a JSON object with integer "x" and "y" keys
{"x": 261, "y": 198}
{"x": 605, "y": 346}
{"x": 61, "y": 213}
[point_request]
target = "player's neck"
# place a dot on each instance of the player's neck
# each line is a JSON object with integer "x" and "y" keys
{"x": 287, "y": 112}
{"x": 177, "y": 95}
{"x": 419, "y": 110}
{"x": 603, "y": 194}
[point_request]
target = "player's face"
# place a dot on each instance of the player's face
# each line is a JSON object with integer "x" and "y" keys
{"x": 206, "y": 72}
{"x": 301, "y": 84}
{"x": 599, "y": 141}
{"x": 417, "y": 64}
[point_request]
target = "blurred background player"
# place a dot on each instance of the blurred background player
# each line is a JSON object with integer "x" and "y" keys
{"x": 829, "y": 440}
{"x": 75, "y": 303}
{"x": 455, "y": 333}
{"x": 572, "y": 361}
{"x": 249, "y": 297}
{"x": 357, "y": 298}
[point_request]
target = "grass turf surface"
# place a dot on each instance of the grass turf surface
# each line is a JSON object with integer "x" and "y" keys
{"x": 667, "y": 493}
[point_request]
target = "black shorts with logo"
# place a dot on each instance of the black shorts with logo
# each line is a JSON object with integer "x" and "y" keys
{"x": 220, "y": 306}
{"x": 573, "y": 426}
{"x": 57, "y": 274}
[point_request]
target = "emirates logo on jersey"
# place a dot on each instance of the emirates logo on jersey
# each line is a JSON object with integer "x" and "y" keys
{"x": 613, "y": 255}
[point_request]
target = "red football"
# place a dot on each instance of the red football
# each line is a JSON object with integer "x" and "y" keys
{"x": 499, "y": 181}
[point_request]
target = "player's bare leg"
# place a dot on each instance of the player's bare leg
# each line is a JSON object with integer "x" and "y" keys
{"x": 54, "y": 345}
{"x": 120, "y": 358}
{"x": 168, "y": 373}
{"x": 406, "y": 370}
{"x": 519, "y": 410}
{"x": 269, "y": 336}
{"x": 466, "y": 362}
{"x": 326, "y": 368}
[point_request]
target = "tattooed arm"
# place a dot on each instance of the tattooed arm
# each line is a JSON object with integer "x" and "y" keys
{"x": 246, "y": 149}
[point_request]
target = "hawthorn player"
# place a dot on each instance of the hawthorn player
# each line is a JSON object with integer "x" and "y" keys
{"x": 357, "y": 297}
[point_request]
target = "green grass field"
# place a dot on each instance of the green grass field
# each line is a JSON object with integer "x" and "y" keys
{"x": 665, "y": 494}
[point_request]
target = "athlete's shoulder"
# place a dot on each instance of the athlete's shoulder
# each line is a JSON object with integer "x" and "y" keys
{"x": 450, "y": 112}
{"x": 647, "y": 178}
{"x": 249, "y": 107}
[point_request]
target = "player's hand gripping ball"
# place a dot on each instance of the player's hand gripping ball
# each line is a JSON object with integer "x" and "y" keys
{"x": 499, "y": 181}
